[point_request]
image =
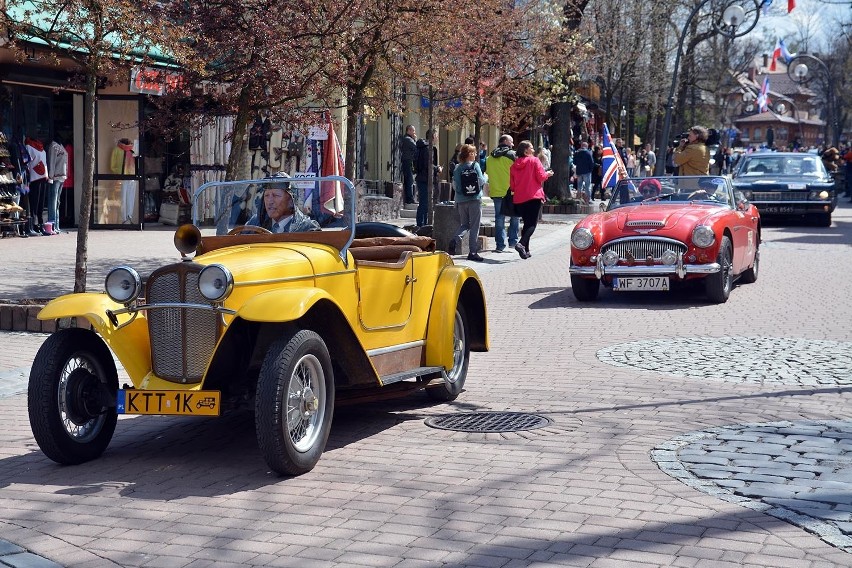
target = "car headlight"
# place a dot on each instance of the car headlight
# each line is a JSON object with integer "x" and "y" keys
{"x": 668, "y": 257}
{"x": 582, "y": 239}
{"x": 610, "y": 258}
{"x": 123, "y": 284}
{"x": 703, "y": 236}
{"x": 215, "y": 282}
{"x": 817, "y": 194}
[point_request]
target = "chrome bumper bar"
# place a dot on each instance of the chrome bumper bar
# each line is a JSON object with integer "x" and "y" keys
{"x": 679, "y": 269}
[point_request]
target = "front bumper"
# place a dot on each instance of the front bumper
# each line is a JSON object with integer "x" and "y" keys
{"x": 680, "y": 270}
{"x": 793, "y": 207}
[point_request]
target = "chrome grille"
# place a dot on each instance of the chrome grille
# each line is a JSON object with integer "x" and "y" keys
{"x": 779, "y": 196}
{"x": 648, "y": 223}
{"x": 640, "y": 248}
{"x": 182, "y": 339}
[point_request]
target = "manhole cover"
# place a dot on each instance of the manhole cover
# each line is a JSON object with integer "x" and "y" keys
{"x": 488, "y": 422}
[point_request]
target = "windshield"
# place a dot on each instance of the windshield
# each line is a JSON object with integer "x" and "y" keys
{"x": 278, "y": 205}
{"x": 685, "y": 190}
{"x": 797, "y": 165}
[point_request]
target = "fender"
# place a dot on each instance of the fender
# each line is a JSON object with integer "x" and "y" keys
{"x": 282, "y": 305}
{"x": 130, "y": 344}
{"x": 439, "y": 333}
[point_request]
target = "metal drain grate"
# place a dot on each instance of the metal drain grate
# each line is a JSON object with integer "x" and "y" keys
{"x": 488, "y": 422}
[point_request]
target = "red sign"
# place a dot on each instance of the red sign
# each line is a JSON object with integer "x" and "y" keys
{"x": 150, "y": 81}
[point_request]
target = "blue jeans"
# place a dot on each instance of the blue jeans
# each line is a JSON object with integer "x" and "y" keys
{"x": 500, "y": 226}
{"x": 408, "y": 181}
{"x": 423, "y": 202}
{"x": 584, "y": 184}
{"x": 53, "y": 191}
{"x": 470, "y": 214}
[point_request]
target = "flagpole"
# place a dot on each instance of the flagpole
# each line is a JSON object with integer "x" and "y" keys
{"x": 732, "y": 19}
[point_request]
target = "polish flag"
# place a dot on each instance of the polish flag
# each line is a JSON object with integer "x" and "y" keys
{"x": 790, "y": 5}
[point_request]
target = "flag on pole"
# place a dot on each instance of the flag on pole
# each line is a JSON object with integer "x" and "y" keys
{"x": 790, "y": 5}
{"x": 611, "y": 164}
{"x": 780, "y": 51}
{"x": 763, "y": 101}
{"x": 331, "y": 195}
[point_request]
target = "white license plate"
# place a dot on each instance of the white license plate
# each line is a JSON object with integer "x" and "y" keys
{"x": 641, "y": 283}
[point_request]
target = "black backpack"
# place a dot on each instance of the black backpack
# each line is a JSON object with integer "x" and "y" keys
{"x": 469, "y": 180}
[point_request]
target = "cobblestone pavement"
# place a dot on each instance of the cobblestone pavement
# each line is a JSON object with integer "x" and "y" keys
{"x": 637, "y": 467}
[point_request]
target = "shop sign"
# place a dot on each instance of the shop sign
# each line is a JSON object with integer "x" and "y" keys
{"x": 150, "y": 81}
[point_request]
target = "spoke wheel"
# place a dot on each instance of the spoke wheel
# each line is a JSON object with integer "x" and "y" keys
{"x": 294, "y": 403}
{"x": 453, "y": 384}
{"x": 719, "y": 285}
{"x": 65, "y": 398}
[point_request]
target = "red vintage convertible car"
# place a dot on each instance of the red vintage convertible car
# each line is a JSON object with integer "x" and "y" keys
{"x": 659, "y": 231}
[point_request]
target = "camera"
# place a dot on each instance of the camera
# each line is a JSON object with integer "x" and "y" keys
{"x": 677, "y": 139}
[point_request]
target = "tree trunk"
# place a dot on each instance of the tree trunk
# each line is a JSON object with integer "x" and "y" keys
{"x": 82, "y": 256}
{"x": 561, "y": 135}
{"x": 353, "y": 111}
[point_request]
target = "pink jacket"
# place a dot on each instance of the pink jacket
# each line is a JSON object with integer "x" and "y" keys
{"x": 525, "y": 178}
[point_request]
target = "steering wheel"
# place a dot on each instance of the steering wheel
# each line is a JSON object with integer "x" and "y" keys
{"x": 249, "y": 229}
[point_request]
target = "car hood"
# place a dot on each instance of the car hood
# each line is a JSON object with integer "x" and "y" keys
{"x": 779, "y": 181}
{"x": 263, "y": 261}
{"x": 660, "y": 220}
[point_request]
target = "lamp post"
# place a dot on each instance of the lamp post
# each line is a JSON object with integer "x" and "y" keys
{"x": 622, "y": 114}
{"x": 799, "y": 71}
{"x": 733, "y": 16}
{"x": 781, "y": 108}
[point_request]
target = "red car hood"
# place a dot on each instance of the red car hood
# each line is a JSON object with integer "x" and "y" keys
{"x": 656, "y": 219}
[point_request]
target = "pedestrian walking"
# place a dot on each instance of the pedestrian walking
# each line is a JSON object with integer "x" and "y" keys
{"x": 407, "y": 156}
{"x": 497, "y": 165}
{"x": 422, "y": 174}
{"x": 468, "y": 181}
{"x": 584, "y": 164}
{"x": 650, "y": 161}
{"x": 527, "y": 176}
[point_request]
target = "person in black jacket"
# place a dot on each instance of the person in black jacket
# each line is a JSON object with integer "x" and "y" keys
{"x": 407, "y": 156}
{"x": 584, "y": 164}
{"x": 422, "y": 174}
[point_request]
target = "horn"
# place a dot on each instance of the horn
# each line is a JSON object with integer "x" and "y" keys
{"x": 187, "y": 238}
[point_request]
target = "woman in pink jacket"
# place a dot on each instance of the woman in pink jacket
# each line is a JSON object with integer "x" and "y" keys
{"x": 526, "y": 177}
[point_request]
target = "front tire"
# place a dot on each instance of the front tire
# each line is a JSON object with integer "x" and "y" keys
{"x": 70, "y": 375}
{"x": 452, "y": 385}
{"x": 294, "y": 403}
{"x": 823, "y": 220}
{"x": 585, "y": 289}
{"x": 718, "y": 286}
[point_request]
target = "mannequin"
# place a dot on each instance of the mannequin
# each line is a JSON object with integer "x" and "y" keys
{"x": 37, "y": 168}
{"x": 57, "y": 172}
{"x": 123, "y": 162}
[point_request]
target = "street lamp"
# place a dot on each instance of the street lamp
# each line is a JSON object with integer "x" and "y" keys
{"x": 781, "y": 108}
{"x": 621, "y": 114}
{"x": 799, "y": 71}
{"x": 733, "y": 16}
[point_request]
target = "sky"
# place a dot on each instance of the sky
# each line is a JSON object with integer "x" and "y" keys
{"x": 825, "y": 18}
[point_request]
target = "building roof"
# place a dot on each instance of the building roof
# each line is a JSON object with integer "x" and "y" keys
{"x": 771, "y": 116}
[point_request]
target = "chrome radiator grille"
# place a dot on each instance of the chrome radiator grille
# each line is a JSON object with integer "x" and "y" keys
{"x": 640, "y": 248}
{"x": 182, "y": 339}
{"x": 779, "y": 196}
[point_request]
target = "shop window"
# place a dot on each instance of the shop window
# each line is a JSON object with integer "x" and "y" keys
{"x": 757, "y": 134}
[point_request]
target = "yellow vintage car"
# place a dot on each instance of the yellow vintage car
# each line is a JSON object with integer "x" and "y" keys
{"x": 328, "y": 312}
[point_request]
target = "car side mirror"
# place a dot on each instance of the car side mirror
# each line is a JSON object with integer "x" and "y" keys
{"x": 742, "y": 202}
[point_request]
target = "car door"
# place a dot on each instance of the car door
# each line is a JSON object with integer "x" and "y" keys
{"x": 385, "y": 293}
{"x": 744, "y": 225}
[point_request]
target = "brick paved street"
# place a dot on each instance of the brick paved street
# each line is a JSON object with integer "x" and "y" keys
{"x": 645, "y": 462}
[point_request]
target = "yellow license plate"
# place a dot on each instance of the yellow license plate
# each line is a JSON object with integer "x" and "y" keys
{"x": 183, "y": 403}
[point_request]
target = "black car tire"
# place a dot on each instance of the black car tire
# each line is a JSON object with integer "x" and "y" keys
{"x": 450, "y": 388}
{"x": 823, "y": 220}
{"x": 294, "y": 403}
{"x": 749, "y": 276}
{"x": 69, "y": 421}
{"x": 718, "y": 286}
{"x": 585, "y": 289}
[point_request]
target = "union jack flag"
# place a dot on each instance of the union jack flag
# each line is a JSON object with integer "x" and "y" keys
{"x": 613, "y": 167}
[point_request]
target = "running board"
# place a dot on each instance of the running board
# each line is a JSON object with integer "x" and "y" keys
{"x": 415, "y": 373}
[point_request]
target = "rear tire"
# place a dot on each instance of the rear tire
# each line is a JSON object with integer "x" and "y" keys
{"x": 65, "y": 396}
{"x": 294, "y": 403}
{"x": 585, "y": 289}
{"x": 451, "y": 387}
{"x": 750, "y": 275}
{"x": 718, "y": 286}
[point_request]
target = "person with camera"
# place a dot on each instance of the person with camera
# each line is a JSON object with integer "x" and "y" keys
{"x": 691, "y": 155}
